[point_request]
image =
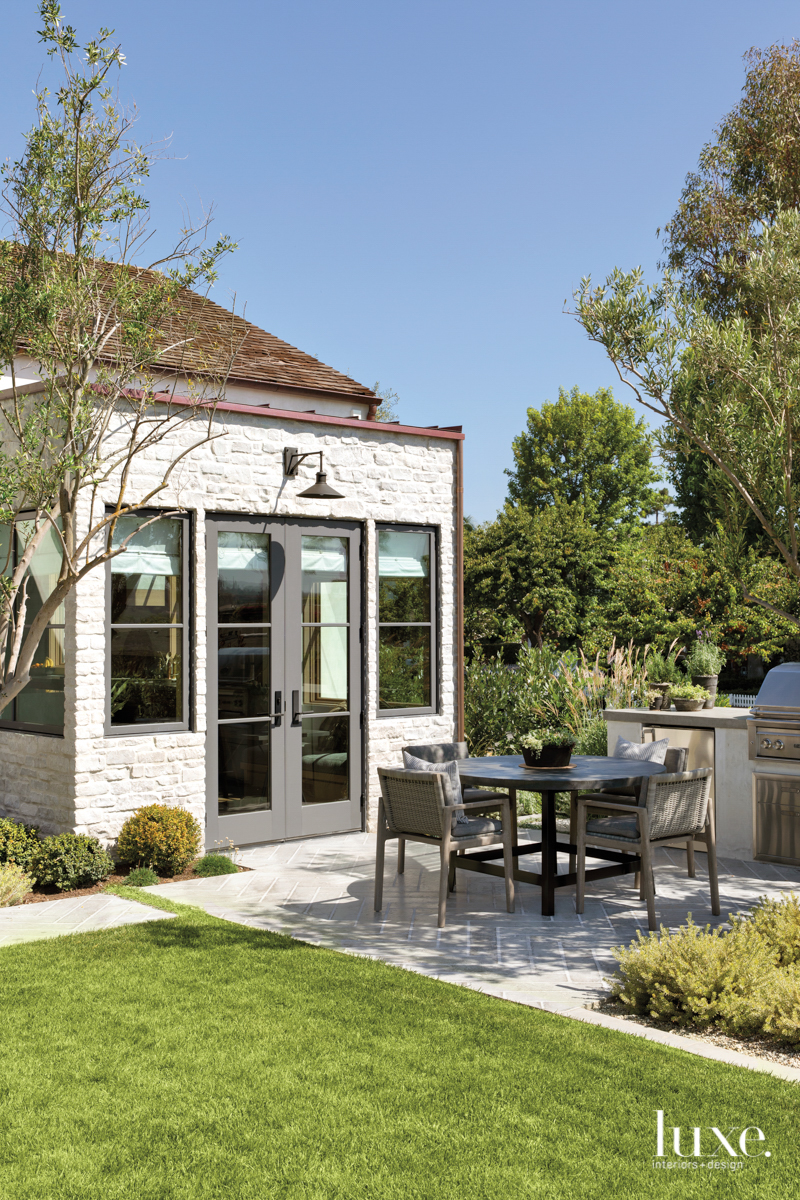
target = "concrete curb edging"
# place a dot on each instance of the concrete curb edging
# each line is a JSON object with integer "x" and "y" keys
{"x": 678, "y": 1042}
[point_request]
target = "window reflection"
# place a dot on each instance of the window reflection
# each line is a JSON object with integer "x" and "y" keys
{"x": 325, "y": 759}
{"x": 146, "y": 676}
{"x": 243, "y": 673}
{"x": 244, "y": 775}
{"x": 243, "y": 584}
{"x": 146, "y": 575}
{"x": 404, "y": 667}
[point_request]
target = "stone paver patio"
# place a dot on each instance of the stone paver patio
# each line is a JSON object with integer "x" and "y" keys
{"x": 321, "y": 890}
{"x": 81, "y": 914}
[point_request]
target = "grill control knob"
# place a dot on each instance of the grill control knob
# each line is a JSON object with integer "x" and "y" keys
{"x": 777, "y": 744}
{"x": 766, "y": 744}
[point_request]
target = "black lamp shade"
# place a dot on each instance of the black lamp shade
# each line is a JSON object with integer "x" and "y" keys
{"x": 322, "y": 490}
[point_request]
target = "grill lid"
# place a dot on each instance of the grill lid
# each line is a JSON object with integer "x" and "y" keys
{"x": 780, "y": 693}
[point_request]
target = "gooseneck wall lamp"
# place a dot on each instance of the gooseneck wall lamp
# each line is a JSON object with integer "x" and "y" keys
{"x": 321, "y": 490}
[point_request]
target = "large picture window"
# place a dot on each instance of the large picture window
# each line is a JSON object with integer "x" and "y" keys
{"x": 39, "y": 707}
{"x": 407, "y": 643}
{"x": 148, "y": 643}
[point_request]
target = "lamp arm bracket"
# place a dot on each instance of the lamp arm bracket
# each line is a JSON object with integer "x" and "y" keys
{"x": 292, "y": 459}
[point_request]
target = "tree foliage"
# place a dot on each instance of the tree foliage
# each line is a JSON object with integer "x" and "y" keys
{"x": 95, "y": 325}
{"x": 547, "y": 568}
{"x": 588, "y": 450}
{"x": 746, "y": 175}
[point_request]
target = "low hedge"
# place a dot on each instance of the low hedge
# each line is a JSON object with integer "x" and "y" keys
{"x": 746, "y": 981}
{"x": 71, "y": 860}
{"x": 18, "y": 843}
{"x": 161, "y": 837}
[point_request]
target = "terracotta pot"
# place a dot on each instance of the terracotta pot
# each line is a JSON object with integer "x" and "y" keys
{"x": 687, "y": 705}
{"x": 548, "y": 756}
{"x": 709, "y": 682}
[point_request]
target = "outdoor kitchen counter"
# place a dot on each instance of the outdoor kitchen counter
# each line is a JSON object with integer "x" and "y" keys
{"x": 715, "y": 737}
{"x": 706, "y": 718}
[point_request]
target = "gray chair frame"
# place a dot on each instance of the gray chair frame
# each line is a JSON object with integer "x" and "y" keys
{"x": 673, "y": 807}
{"x": 415, "y": 806}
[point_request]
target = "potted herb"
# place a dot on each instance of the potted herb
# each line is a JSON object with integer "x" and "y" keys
{"x": 704, "y": 663}
{"x": 688, "y": 697}
{"x": 547, "y": 747}
{"x": 662, "y": 672}
{"x": 656, "y": 698}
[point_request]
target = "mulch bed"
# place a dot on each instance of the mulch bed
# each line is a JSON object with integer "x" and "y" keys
{"x": 760, "y": 1046}
{"x": 41, "y": 894}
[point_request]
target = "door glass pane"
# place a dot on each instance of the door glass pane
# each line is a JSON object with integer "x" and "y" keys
{"x": 324, "y": 568}
{"x": 404, "y": 586}
{"x": 325, "y": 668}
{"x": 146, "y": 576}
{"x": 243, "y": 661}
{"x": 42, "y": 701}
{"x": 244, "y": 752}
{"x": 325, "y": 759}
{"x": 243, "y": 585}
{"x": 145, "y": 676}
{"x": 404, "y": 667}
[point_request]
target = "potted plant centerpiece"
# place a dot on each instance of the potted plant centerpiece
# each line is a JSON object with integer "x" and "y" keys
{"x": 688, "y": 697}
{"x": 547, "y": 748}
{"x": 704, "y": 663}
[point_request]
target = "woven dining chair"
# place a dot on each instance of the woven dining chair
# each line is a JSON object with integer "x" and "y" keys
{"x": 674, "y": 762}
{"x": 675, "y": 807}
{"x": 416, "y": 806}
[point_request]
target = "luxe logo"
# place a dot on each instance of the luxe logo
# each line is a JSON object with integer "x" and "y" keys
{"x": 689, "y": 1145}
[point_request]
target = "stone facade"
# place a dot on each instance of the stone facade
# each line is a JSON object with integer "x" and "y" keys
{"x": 90, "y": 782}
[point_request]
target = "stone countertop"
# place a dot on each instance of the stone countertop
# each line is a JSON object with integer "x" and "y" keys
{"x": 706, "y": 718}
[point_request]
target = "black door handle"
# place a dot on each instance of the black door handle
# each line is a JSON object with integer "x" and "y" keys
{"x": 296, "y": 707}
{"x": 276, "y": 716}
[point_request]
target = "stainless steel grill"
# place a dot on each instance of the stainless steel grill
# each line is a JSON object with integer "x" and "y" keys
{"x": 774, "y": 736}
{"x": 774, "y": 722}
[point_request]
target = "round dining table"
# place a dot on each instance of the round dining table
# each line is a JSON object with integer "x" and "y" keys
{"x": 507, "y": 772}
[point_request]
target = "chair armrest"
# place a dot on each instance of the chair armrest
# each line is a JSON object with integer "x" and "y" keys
{"x": 588, "y": 802}
{"x": 480, "y": 804}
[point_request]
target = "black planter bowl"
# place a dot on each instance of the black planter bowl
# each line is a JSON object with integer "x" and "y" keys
{"x": 688, "y": 705}
{"x": 548, "y": 756}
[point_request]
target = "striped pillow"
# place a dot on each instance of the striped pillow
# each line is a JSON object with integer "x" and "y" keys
{"x": 654, "y": 752}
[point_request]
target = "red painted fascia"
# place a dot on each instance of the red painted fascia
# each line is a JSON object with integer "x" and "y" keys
{"x": 283, "y": 414}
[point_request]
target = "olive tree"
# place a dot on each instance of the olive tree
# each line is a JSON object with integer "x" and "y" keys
{"x": 86, "y": 329}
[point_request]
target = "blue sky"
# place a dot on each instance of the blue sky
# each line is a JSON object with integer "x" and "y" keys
{"x": 416, "y": 187}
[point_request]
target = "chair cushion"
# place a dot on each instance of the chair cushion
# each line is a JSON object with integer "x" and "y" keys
{"x": 450, "y": 769}
{"x": 642, "y": 751}
{"x": 624, "y": 828}
{"x": 474, "y": 826}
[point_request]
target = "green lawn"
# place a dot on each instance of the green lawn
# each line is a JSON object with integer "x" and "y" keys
{"x": 195, "y": 1058}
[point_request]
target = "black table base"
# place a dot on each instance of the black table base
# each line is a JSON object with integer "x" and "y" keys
{"x": 549, "y": 879}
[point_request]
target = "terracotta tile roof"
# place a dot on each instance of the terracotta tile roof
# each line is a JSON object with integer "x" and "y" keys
{"x": 258, "y": 357}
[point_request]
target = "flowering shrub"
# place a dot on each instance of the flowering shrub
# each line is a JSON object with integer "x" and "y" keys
{"x": 14, "y": 884}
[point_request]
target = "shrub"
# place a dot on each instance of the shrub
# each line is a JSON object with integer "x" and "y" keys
{"x": 142, "y": 877}
{"x": 161, "y": 837}
{"x": 18, "y": 843}
{"x": 71, "y": 860}
{"x": 14, "y": 884}
{"x": 663, "y": 668}
{"x": 215, "y": 864}
{"x": 593, "y": 738}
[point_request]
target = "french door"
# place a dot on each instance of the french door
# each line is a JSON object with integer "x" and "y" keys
{"x": 284, "y": 678}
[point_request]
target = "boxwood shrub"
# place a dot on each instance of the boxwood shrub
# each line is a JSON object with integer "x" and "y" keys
{"x": 70, "y": 860}
{"x": 18, "y": 843}
{"x": 216, "y": 864}
{"x": 161, "y": 837}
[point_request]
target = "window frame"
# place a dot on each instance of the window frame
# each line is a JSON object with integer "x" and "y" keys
{"x": 28, "y": 726}
{"x": 433, "y": 533}
{"x": 186, "y": 723}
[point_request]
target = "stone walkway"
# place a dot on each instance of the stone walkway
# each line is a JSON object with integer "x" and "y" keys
{"x": 82, "y": 914}
{"x": 321, "y": 890}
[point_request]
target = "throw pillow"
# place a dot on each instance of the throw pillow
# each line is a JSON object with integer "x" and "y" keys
{"x": 643, "y": 751}
{"x": 450, "y": 770}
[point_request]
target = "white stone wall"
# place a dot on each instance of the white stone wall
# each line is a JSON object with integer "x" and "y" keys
{"x": 91, "y": 782}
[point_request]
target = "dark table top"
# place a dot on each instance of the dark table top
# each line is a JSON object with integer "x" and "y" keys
{"x": 508, "y": 770}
